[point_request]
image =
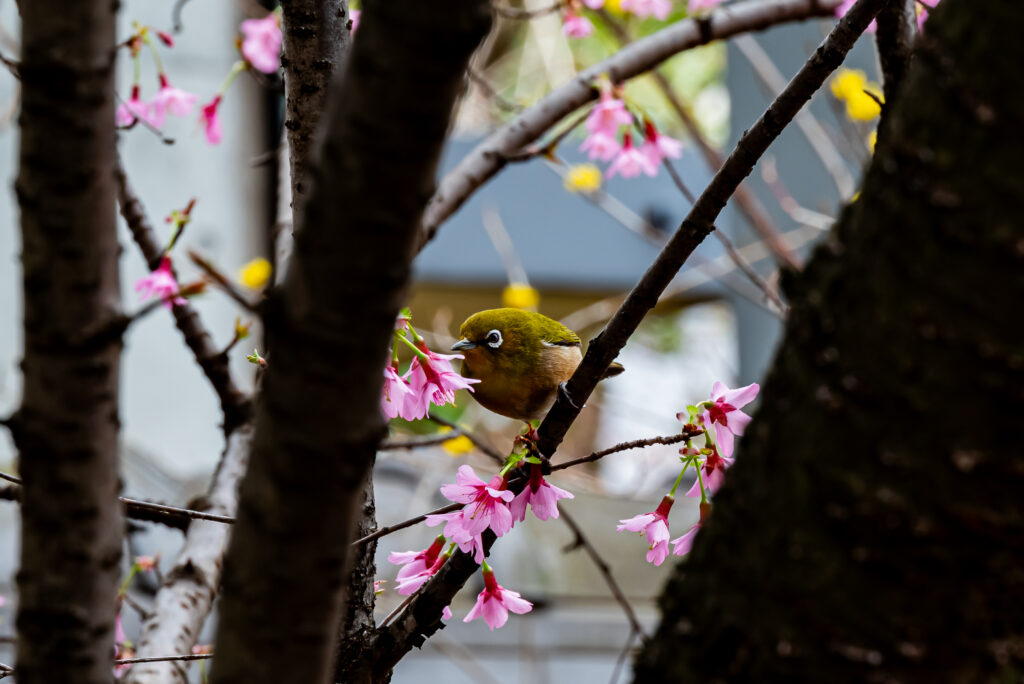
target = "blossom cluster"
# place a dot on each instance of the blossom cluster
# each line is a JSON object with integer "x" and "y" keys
{"x": 721, "y": 421}
{"x": 603, "y": 125}
{"x": 430, "y": 380}
{"x": 575, "y": 25}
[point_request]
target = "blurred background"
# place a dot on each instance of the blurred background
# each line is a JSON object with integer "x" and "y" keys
{"x": 535, "y": 236}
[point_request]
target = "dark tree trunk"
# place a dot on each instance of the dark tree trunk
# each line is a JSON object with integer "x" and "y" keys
{"x": 67, "y": 426}
{"x": 873, "y": 527}
{"x": 318, "y": 420}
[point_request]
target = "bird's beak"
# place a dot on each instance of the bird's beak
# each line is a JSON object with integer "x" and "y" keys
{"x": 463, "y": 344}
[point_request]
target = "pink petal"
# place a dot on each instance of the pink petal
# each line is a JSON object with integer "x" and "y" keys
{"x": 636, "y": 523}
{"x": 741, "y": 396}
{"x": 725, "y": 440}
{"x": 501, "y": 520}
{"x": 495, "y": 614}
{"x": 513, "y": 601}
{"x": 658, "y": 553}
{"x": 737, "y": 421}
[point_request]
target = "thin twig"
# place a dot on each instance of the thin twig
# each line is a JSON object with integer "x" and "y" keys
{"x": 478, "y": 441}
{"x": 625, "y": 446}
{"x": 222, "y": 281}
{"x": 623, "y": 656}
{"x": 12, "y": 66}
{"x": 395, "y": 444}
{"x": 406, "y": 523}
{"x": 489, "y": 91}
{"x": 164, "y": 659}
{"x": 603, "y": 568}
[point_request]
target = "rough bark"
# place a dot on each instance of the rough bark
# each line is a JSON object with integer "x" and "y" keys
{"x": 190, "y": 586}
{"x": 318, "y": 421}
{"x": 897, "y": 28}
{"x": 67, "y": 427}
{"x": 871, "y": 529}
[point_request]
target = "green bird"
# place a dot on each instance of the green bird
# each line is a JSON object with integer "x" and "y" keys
{"x": 522, "y": 360}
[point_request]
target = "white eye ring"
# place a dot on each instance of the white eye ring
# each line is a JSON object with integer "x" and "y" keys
{"x": 494, "y": 339}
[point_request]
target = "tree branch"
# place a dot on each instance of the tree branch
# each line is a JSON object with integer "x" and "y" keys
{"x": 897, "y": 29}
{"x": 487, "y": 158}
{"x": 319, "y": 422}
{"x": 700, "y": 221}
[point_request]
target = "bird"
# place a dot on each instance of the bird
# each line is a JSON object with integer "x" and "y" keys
{"x": 522, "y": 360}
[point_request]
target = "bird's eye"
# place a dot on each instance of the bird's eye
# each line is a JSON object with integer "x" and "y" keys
{"x": 494, "y": 339}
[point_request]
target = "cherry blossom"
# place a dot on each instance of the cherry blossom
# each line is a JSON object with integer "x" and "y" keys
{"x": 134, "y": 109}
{"x": 600, "y": 145}
{"x": 647, "y": 8}
{"x": 455, "y": 529}
{"x": 261, "y": 45}
{"x": 714, "y": 468}
{"x": 845, "y": 6}
{"x": 495, "y": 601}
{"x": 702, "y": 5}
{"x": 630, "y": 161}
{"x": 576, "y": 25}
{"x": 393, "y": 396}
{"x": 160, "y": 283}
{"x": 486, "y": 502}
{"x": 655, "y": 526}
{"x": 433, "y": 381}
{"x": 682, "y": 545}
{"x": 542, "y": 496}
{"x": 608, "y": 114}
{"x": 355, "y": 15}
{"x": 210, "y": 119}
{"x": 658, "y": 146}
{"x": 170, "y": 99}
{"x": 723, "y": 411}
{"x": 411, "y": 583}
{"x": 415, "y": 562}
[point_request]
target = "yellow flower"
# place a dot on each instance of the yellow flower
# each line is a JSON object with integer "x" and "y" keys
{"x": 847, "y": 81}
{"x": 615, "y": 7}
{"x": 520, "y": 296}
{"x": 456, "y": 446}
{"x": 583, "y": 178}
{"x": 849, "y": 85}
{"x": 255, "y": 274}
{"x": 872, "y": 139}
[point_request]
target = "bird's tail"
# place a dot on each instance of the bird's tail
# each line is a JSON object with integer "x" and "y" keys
{"x": 613, "y": 370}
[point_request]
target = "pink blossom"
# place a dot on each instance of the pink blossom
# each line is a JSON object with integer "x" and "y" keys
{"x": 446, "y": 613}
{"x": 393, "y": 396}
{"x": 647, "y": 8}
{"x": 540, "y": 494}
{"x": 600, "y": 145}
{"x": 655, "y": 526}
{"x": 354, "y": 15}
{"x": 594, "y": 4}
{"x": 486, "y": 502}
{"x": 415, "y": 562}
{"x": 455, "y": 529}
{"x": 261, "y": 46}
{"x": 576, "y": 25}
{"x": 607, "y": 115}
{"x": 494, "y": 602}
{"x": 170, "y": 99}
{"x": 433, "y": 381}
{"x": 411, "y": 583}
{"x": 723, "y": 411}
{"x": 160, "y": 283}
{"x": 210, "y": 119}
{"x": 701, "y": 5}
{"x": 922, "y": 13}
{"x": 145, "y": 563}
{"x": 133, "y": 109}
{"x": 165, "y": 38}
{"x": 658, "y": 146}
{"x": 682, "y": 545}
{"x": 714, "y": 474}
{"x": 631, "y": 161}
{"x": 845, "y": 6}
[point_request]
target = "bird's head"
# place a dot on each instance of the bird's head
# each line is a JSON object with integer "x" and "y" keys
{"x": 491, "y": 336}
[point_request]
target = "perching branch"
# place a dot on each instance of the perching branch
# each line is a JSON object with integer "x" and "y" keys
{"x": 700, "y": 221}
{"x": 487, "y": 158}
{"x": 625, "y": 446}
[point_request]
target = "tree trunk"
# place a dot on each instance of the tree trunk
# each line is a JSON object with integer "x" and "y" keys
{"x": 318, "y": 419}
{"x": 66, "y": 429}
{"x": 873, "y": 527}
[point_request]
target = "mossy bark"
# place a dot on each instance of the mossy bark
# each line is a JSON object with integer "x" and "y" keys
{"x": 873, "y": 527}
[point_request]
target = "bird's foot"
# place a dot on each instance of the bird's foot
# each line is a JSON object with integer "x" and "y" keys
{"x": 563, "y": 391}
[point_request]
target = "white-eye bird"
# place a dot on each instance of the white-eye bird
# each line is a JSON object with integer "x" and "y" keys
{"x": 522, "y": 360}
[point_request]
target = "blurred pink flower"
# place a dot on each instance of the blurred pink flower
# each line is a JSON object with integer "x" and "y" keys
{"x": 540, "y": 494}
{"x": 576, "y": 25}
{"x": 630, "y": 161}
{"x": 600, "y": 145}
{"x": 922, "y": 13}
{"x": 495, "y": 601}
{"x": 261, "y": 45}
{"x": 608, "y": 114}
{"x": 446, "y": 613}
{"x": 132, "y": 109}
{"x": 658, "y": 147}
{"x": 594, "y": 4}
{"x": 646, "y": 8}
{"x": 682, "y": 545}
{"x": 714, "y": 474}
{"x": 655, "y": 526}
{"x": 845, "y": 6}
{"x": 701, "y": 5}
{"x": 393, "y": 395}
{"x": 210, "y": 119}
{"x": 723, "y": 411}
{"x": 170, "y": 99}
{"x": 160, "y": 283}
{"x": 355, "y": 15}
